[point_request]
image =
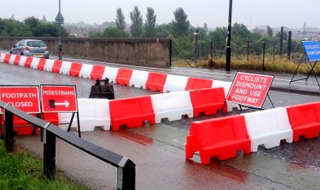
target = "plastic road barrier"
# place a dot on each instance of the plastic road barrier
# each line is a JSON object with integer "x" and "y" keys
{"x": 111, "y": 73}
{"x": 139, "y": 79}
{"x": 207, "y": 101}
{"x": 92, "y": 113}
{"x": 132, "y": 112}
{"x": 156, "y": 81}
{"x": 85, "y": 71}
{"x": 56, "y": 66}
{"x": 220, "y": 137}
{"x": 97, "y": 72}
{"x": 175, "y": 83}
{"x": 304, "y": 120}
{"x": 197, "y": 83}
{"x": 172, "y": 106}
{"x": 123, "y": 76}
{"x": 268, "y": 128}
{"x": 75, "y": 69}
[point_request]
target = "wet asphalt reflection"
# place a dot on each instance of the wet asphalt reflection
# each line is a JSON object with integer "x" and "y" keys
{"x": 294, "y": 166}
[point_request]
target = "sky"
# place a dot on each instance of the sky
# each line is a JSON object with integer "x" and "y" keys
{"x": 275, "y": 13}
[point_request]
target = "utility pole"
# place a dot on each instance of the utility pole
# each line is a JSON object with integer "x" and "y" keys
{"x": 281, "y": 41}
{"x": 228, "y": 57}
{"x": 289, "y": 45}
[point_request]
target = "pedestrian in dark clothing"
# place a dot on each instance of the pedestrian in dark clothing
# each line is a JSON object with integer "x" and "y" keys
{"x": 107, "y": 89}
{"x": 96, "y": 90}
{"x": 102, "y": 91}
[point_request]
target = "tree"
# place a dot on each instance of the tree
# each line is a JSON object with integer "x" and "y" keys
{"x": 180, "y": 24}
{"x": 164, "y": 30}
{"x": 218, "y": 37}
{"x": 150, "y": 23}
{"x": 269, "y": 31}
{"x": 113, "y": 32}
{"x": 136, "y": 26}
{"x": 205, "y": 27}
{"x": 120, "y": 22}
{"x": 44, "y": 19}
{"x": 24, "y": 31}
{"x": 95, "y": 34}
{"x": 32, "y": 22}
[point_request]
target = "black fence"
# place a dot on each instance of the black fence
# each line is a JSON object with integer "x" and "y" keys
{"x": 126, "y": 168}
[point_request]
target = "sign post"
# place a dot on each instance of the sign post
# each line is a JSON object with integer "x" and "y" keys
{"x": 250, "y": 90}
{"x": 55, "y": 98}
{"x": 312, "y": 52}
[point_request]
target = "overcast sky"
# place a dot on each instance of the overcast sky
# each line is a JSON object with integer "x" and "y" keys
{"x": 275, "y": 13}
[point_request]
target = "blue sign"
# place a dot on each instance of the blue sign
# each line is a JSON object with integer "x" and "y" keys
{"x": 312, "y": 49}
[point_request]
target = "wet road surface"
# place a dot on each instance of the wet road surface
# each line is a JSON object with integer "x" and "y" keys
{"x": 158, "y": 150}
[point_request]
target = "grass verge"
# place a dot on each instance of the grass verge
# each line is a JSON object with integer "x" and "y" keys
{"x": 20, "y": 170}
{"x": 278, "y": 65}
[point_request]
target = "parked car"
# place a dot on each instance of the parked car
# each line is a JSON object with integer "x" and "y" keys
{"x": 31, "y": 47}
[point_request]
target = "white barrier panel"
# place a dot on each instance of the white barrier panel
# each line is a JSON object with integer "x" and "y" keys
{"x": 139, "y": 79}
{"x": 12, "y": 58}
{"x": 226, "y": 86}
{"x": 65, "y": 67}
{"x": 111, "y": 73}
{"x": 175, "y": 83}
{"x": 22, "y": 61}
{"x": 49, "y": 64}
{"x": 268, "y": 128}
{"x": 34, "y": 63}
{"x": 85, "y": 71}
{"x": 2, "y": 56}
{"x": 92, "y": 113}
{"x": 172, "y": 106}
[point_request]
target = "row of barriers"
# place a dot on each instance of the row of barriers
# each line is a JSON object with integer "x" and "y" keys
{"x": 159, "y": 82}
{"x": 135, "y": 111}
{"x": 183, "y": 99}
{"x": 223, "y": 137}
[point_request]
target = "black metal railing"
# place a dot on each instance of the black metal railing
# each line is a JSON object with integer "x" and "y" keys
{"x": 126, "y": 168}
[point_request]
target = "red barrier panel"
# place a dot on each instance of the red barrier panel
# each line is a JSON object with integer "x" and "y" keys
{"x": 75, "y": 69}
{"x": 207, "y": 101}
{"x": 42, "y": 63}
{"x": 132, "y": 112}
{"x": 51, "y": 117}
{"x": 56, "y": 66}
{"x": 221, "y": 137}
{"x": 197, "y": 83}
{"x": 123, "y": 77}
{"x": 20, "y": 126}
{"x": 97, "y": 72}
{"x": 156, "y": 81}
{"x": 304, "y": 120}
{"x": 16, "y": 60}
{"x": 7, "y": 58}
{"x": 24, "y": 128}
{"x": 28, "y": 62}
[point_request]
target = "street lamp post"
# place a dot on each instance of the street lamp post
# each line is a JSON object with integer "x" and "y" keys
{"x": 228, "y": 57}
{"x": 60, "y": 20}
